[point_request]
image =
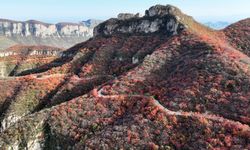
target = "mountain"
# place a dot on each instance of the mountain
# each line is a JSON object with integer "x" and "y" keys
{"x": 32, "y": 32}
{"x": 217, "y": 25}
{"x": 160, "y": 81}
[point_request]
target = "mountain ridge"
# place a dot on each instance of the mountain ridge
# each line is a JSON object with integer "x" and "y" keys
{"x": 32, "y": 32}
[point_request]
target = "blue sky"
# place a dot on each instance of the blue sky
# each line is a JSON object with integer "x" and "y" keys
{"x": 76, "y": 10}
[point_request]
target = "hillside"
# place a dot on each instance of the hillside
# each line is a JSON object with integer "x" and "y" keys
{"x": 19, "y": 58}
{"x": 32, "y": 32}
{"x": 160, "y": 81}
{"x": 238, "y": 35}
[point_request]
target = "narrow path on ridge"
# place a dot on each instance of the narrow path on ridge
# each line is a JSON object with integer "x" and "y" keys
{"x": 97, "y": 92}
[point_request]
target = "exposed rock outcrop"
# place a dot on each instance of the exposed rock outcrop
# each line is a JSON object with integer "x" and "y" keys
{"x": 39, "y": 29}
{"x": 126, "y": 16}
{"x": 164, "y": 19}
{"x": 161, "y": 10}
{"x": 157, "y": 19}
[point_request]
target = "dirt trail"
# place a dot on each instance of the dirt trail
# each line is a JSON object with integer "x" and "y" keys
{"x": 98, "y": 94}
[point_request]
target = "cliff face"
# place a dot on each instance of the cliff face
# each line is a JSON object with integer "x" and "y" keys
{"x": 34, "y": 32}
{"x": 38, "y": 29}
{"x": 158, "y": 19}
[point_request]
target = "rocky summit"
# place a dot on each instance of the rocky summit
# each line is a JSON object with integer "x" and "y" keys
{"x": 158, "y": 81}
{"x": 156, "y": 19}
{"x": 32, "y": 32}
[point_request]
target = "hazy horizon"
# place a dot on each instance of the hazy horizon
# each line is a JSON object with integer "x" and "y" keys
{"x": 54, "y": 11}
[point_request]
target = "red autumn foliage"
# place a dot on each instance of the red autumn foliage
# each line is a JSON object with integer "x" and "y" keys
{"x": 187, "y": 91}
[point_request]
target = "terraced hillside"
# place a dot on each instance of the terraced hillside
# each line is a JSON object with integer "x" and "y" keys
{"x": 161, "y": 81}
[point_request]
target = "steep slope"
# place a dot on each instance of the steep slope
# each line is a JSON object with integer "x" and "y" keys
{"x": 32, "y": 32}
{"x": 161, "y": 81}
{"x": 238, "y": 35}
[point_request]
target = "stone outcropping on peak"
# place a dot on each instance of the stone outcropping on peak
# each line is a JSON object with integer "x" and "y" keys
{"x": 164, "y": 19}
{"x": 126, "y": 16}
{"x": 161, "y": 10}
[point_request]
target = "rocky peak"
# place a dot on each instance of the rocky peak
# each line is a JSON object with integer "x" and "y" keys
{"x": 161, "y": 10}
{"x": 126, "y": 16}
{"x": 162, "y": 19}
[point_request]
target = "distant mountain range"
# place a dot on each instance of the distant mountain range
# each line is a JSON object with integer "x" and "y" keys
{"x": 217, "y": 25}
{"x": 32, "y": 32}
